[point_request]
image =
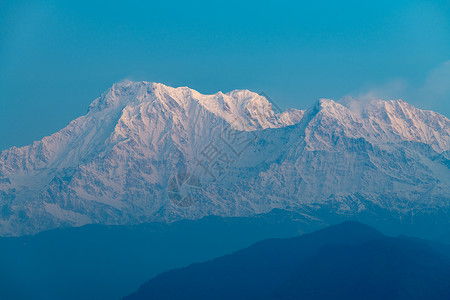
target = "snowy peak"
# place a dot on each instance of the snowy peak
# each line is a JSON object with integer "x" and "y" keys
{"x": 408, "y": 122}
{"x": 115, "y": 164}
{"x": 243, "y": 109}
{"x": 118, "y": 94}
{"x": 381, "y": 122}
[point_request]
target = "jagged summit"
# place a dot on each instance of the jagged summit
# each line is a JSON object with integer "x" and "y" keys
{"x": 382, "y": 122}
{"x": 115, "y": 164}
{"x": 243, "y": 109}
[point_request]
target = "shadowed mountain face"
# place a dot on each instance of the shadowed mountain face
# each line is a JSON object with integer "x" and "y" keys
{"x": 145, "y": 152}
{"x": 346, "y": 261}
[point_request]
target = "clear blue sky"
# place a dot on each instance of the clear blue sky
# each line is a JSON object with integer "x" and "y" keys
{"x": 57, "y": 56}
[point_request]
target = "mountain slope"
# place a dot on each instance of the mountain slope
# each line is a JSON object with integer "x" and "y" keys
{"x": 347, "y": 261}
{"x": 146, "y": 152}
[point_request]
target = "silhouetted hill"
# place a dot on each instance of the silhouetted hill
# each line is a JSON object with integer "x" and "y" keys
{"x": 383, "y": 268}
{"x": 346, "y": 261}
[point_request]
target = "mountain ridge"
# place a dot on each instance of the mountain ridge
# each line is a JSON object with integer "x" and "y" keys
{"x": 115, "y": 164}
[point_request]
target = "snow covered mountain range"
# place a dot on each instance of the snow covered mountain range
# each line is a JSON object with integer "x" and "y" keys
{"x": 148, "y": 152}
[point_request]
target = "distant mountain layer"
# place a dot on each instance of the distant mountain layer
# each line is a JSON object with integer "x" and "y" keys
{"x": 146, "y": 152}
{"x": 346, "y": 261}
{"x": 100, "y": 262}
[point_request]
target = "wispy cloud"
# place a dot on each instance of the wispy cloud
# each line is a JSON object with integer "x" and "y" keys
{"x": 437, "y": 84}
{"x": 388, "y": 90}
{"x": 433, "y": 93}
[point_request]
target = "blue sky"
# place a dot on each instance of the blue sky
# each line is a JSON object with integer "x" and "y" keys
{"x": 57, "y": 56}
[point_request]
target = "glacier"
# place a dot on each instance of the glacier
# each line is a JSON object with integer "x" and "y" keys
{"x": 146, "y": 152}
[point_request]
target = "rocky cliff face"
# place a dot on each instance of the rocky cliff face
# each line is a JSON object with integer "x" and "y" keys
{"x": 147, "y": 152}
